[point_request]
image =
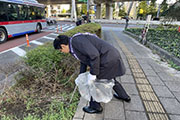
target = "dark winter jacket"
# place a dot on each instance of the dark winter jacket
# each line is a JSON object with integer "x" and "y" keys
{"x": 104, "y": 60}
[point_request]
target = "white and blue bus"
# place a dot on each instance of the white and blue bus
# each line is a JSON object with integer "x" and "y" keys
{"x": 18, "y": 17}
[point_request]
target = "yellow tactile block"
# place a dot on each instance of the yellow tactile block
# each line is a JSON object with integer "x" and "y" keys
{"x": 148, "y": 96}
{"x": 141, "y": 80}
{"x": 157, "y": 116}
{"x": 144, "y": 88}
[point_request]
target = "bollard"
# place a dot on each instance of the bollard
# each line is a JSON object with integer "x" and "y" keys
{"x": 61, "y": 28}
{"x": 27, "y": 40}
{"x": 57, "y": 29}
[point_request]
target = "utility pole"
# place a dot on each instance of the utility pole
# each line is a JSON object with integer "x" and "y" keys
{"x": 73, "y": 11}
{"x": 159, "y": 8}
{"x": 87, "y": 11}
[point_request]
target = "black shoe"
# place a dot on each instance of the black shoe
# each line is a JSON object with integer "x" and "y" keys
{"x": 128, "y": 99}
{"x": 90, "y": 110}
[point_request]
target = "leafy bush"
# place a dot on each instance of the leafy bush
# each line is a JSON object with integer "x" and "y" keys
{"x": 44, "y": 86}
{"x": 136, "y": 31}
{"x": 93, "y": 28}
{"x": 168, "y": 39}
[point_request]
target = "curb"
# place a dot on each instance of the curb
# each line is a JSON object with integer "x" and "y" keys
{"x": 79, "y": 115}
{"x": 161, "y": 52}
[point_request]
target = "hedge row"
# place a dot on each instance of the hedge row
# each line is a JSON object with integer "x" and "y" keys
{"x": 167, "y": 39}
{"x": 91, "y": 28}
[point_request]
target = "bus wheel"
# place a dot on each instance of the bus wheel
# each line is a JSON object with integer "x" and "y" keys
{"x": 38, "y": 28}
{"x": 3, "y": 35}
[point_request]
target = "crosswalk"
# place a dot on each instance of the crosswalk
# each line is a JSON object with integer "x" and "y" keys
{"x": 60, "y": 28}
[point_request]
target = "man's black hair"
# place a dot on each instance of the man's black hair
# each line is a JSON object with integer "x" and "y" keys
{"x": 61, "y": 39}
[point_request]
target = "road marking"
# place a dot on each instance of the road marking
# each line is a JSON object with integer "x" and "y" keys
{"x": 65, "y": 27}
{"x": 36, "y": 42}
{"x": 48, "y": 38}
{"x": 54, "y": 34}
{"x": 70, "y": 28}
{"x": 19, "y": 51}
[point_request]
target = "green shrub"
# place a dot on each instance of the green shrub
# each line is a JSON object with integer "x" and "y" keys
{"x": 167, "y": 39}
{"x": 93, "y": 28}
{"x": 44, "y": 86}
{"x": 136, "y": 31}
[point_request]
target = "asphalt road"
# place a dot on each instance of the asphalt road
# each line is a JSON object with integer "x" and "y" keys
{"x": 12, "y": 50}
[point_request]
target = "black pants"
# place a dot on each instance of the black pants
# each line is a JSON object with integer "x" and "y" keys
{"x": 117, "y": 88}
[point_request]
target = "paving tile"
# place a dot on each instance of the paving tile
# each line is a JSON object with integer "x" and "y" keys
{"x": 157, "y": 68}
{"x": 118, "y": 79}
{"x": 162, "y": 91}
{"x": 172, "y": 106}
{"x": 142, "y": 60}
{"x": 111, "y": 119}
{"x": 114, "y": 110}
{"x": 155, "y": 80}
{"x": 132, "y": 115}
{"x": 130, "y": 89}
{"x": 174, "y": 117}
{"x": 134, "y": 104}
{"x": 173, "y": 86}
{"x": 177, "y": 95}
{"x": 165, "y": 76}
{"x": 149, "y": 72}
{"x": 145, "y": 66}
{"x": 127, "y": 79}
{"x": 93, "y": 116}
{"x": 128, "y": 72}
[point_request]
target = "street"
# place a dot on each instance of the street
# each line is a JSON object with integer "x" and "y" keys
{"x": 14, "y": 48}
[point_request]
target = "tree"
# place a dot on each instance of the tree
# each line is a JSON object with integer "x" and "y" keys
{"x": 153, "y": 2}
{"x": 63, "y": 11}
{"x": 173, "y": 11}
{"x": 164, "y": 5}
{"x": 122, "y": 12}
{"x": 152, "y": 10}
{"x": 84, "y": 9}
{"x": 142, "y": 9}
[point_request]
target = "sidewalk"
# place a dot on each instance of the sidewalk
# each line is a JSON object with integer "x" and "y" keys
{"x": 153, "y": 87}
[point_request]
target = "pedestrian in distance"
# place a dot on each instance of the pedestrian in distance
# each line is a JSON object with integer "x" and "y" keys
{"x": 103, "y": 59}
{"x": 127, "y": 20}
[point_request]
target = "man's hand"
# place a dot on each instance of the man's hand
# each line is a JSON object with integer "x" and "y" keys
{"x": 91, "y": 78}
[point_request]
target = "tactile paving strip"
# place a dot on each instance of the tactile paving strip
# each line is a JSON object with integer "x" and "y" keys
{"x": 154, "y": 108}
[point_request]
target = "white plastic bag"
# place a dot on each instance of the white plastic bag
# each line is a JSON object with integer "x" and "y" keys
{"x": 100, "y": 90}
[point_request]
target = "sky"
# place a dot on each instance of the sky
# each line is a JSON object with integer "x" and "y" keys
{"x": 168, "y": 1}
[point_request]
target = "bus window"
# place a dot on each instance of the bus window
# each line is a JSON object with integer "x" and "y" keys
{"x": 22, "y": 12}
{"x": 12, "y": 12}
{"x": 3, "y": 15}
{"x": 42, "y": 13}
{"x": 31, "y": 13}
